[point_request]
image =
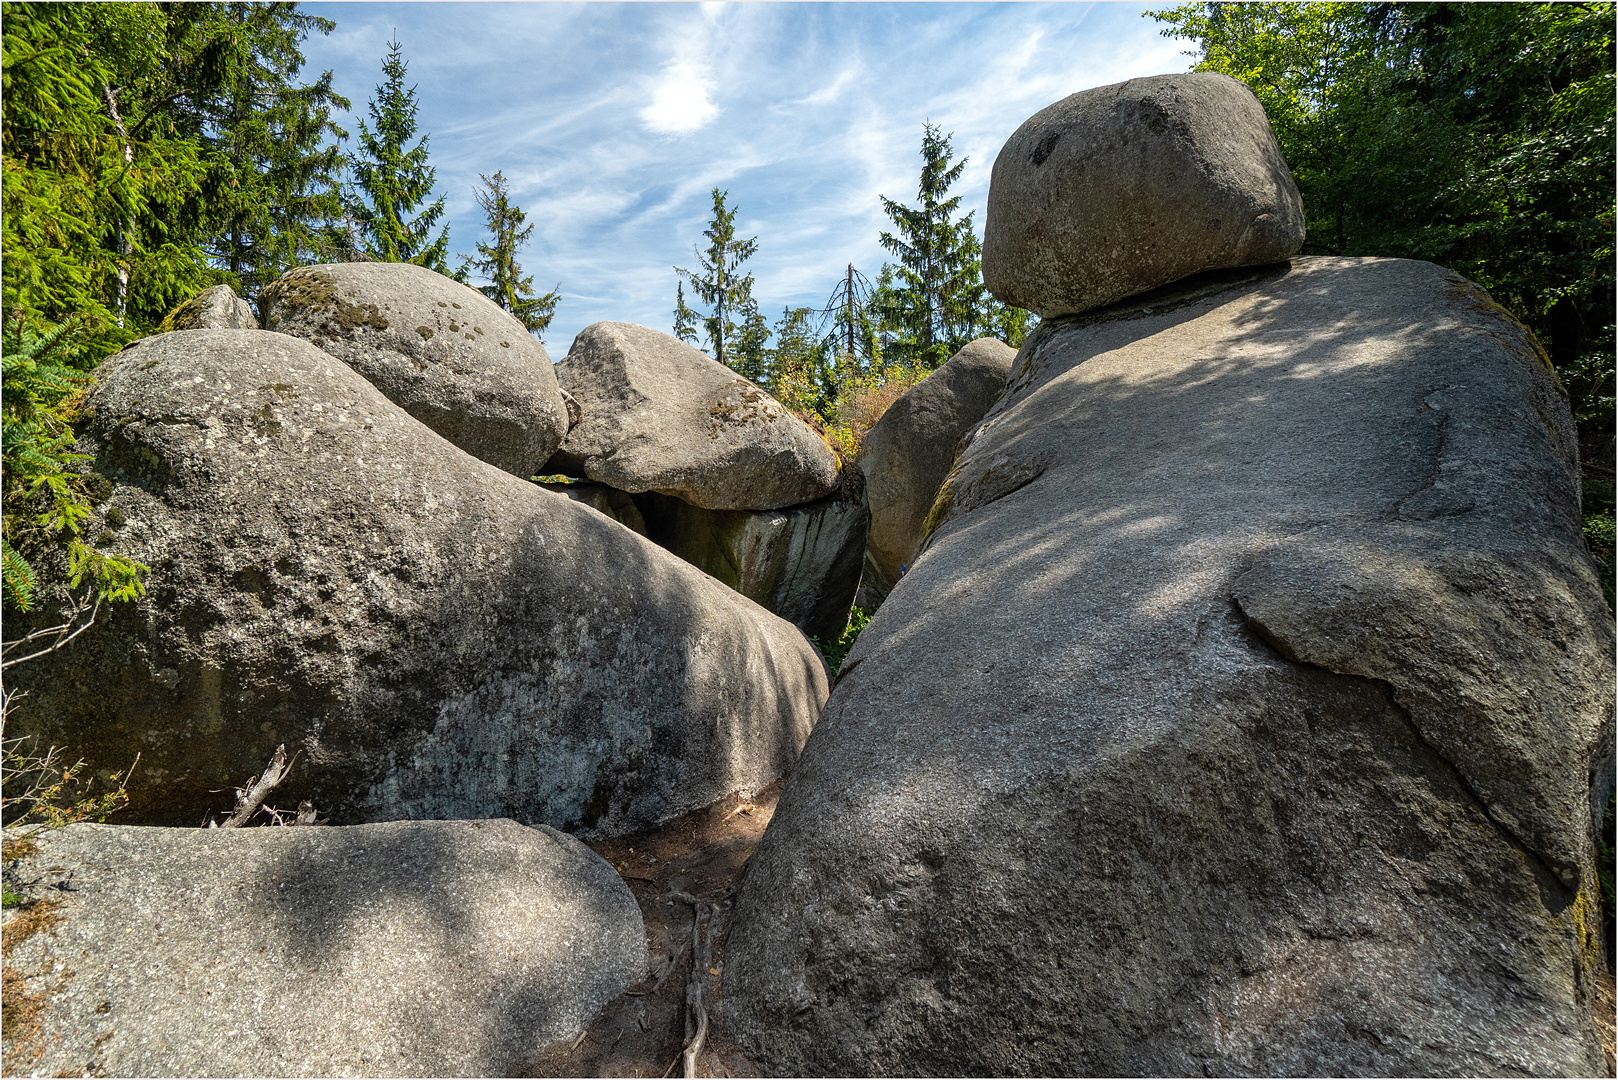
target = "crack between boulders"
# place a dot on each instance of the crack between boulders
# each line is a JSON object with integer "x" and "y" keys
{"x": 1275, "y": 644}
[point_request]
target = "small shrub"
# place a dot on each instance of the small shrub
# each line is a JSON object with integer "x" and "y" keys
{"x": 835, "y": 652}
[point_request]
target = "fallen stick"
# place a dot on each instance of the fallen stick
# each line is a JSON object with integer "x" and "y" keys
{"x": 248, "y": 801}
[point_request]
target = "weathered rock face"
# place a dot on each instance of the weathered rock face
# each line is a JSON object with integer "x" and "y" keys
{"x": 911, "y": 449}
{"x": 419, "y": 948}
{"x": 802, "y": 562}
{"x": 1120, "y": 189}
{"x": 218, "y": 308}
{"x": 657, "y": 415}
{"x": 441, "y": 639}
{"x": 1271, "y": 754}
{"x": 443, "y": 352}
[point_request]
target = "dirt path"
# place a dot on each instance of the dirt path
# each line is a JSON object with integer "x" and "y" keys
{"x": 643, "y": 1031}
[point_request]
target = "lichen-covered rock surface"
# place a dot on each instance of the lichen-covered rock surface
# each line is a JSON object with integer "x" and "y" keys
{"x": 801, "y": 562}
{"x": 911, "y": 448}
{"x": 443, "y": 352}
{"x": 218, "y": 308}
{"x": 1246, "y": 712}
{"x": 441, "y": 639}
{"x": 1117, "y": 190}
{"x": 410, "y": 948}
{"x": 657, "y": 415}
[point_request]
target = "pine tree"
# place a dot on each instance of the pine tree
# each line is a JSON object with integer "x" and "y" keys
{"x": 395, "y": 181}
{"x": 507, "y": 286}
{"x": 752, "y": 360}
{"x": 274, "y": 182}
{"x": 718, "y": 283}
{"x": 934, "y": 304}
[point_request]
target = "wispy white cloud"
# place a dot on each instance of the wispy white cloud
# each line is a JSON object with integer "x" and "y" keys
{"x": 612, "y": 123}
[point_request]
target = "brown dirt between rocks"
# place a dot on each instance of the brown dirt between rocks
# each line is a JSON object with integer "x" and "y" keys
{"x": 642, "y": 1031}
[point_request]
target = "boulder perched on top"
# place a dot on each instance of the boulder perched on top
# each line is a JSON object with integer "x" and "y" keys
{"x": 441, "y": 639}
{"x": 411, "y": 948}
{"x": 801, "y": 562}
{"x": 218, "y": 308}
{"x": 443, "y": 352}
{"x": 910, "y": 450}
{"x": 657, "y": 415}
{"x": 1244, "y": 713}
{"x": 1117, "y": 190}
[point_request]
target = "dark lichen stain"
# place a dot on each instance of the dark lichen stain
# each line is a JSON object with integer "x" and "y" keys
{"x": 312, "y": 289}
{"x": 505, "y": 344}
{"x": 115, "y": 518}
{"x": 284, "y": 389}
{"x": 442, "y": 304}
{"x": 457, "y": 307}
{"x": 1042, "y": 149}
{"x": 426, "y": 332}
{"x": 477, "y": 329}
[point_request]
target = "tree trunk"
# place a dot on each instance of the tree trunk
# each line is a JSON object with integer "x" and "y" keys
{"x": 124, "y": 246}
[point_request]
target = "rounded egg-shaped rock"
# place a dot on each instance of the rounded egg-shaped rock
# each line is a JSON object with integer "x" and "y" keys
{"x": 443, "y": 352}
{"x": 657, "y": 415}
{"x": 1117, "y": 190}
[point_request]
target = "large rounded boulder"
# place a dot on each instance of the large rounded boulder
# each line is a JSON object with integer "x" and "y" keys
{"x": 443, "y": 352}
{"x": 405, "y": 948}
{"x": 439, "y": 638}
{"x": 657, "y": 415}
{"x": 1120, "y": 189}
{"x": 909, "y": 451}
{"x": 1247, "y": 711}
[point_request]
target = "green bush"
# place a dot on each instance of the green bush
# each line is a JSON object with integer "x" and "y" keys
{"x": 835, "y": 652}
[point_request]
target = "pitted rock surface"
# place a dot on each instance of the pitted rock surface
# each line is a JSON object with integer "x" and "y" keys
{"x": 657, "y": 415}
{"x": 1117, "y": 190}
{"x": 443, "y": 352}
{"x": 911, "y": 449}
{"x": 439, "y": 638}
{"x": 1246, "y": 711}
{"x": 411, "y": 948}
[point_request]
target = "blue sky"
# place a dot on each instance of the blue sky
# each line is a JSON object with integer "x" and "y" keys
{"x": 613, "y": 122}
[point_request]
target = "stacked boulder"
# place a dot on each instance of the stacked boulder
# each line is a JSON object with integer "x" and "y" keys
{"x": 1248, "y": 705}
{"x": 722, "y": 474}
{"x": 441, "y": 638}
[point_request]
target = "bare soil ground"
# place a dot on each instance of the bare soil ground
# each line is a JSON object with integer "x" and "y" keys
{"x": 643, "y": 1031}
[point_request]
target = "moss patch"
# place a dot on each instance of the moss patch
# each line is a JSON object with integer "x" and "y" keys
{"x": 310, "y": 289}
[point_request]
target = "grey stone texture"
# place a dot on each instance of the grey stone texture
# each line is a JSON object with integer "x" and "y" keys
{"x": 1117, "y": 190}
{"x": 439, "y": 638}
{"x": 910, "y": 450}
{"x": 801, "y": 562}
{"x": 411, "y": 948}
{"x": 1245, "y": 712}
{"x": 657, "y": 415}
{"x": 218, "y": 308}
{"x": 443, "y": 352}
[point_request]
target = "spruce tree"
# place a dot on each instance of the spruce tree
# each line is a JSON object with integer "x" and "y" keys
{"x": 274, "y": 180}
{"x": 935, "y": 302}
{"x": 507, "y": 286}
{"x": 719, "y": 284}
{"x": 394, "y": 181}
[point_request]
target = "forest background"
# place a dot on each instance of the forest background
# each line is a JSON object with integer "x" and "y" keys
{"x": 152, "y": 150}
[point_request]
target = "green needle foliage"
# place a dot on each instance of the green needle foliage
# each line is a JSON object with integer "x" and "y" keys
{"x": 934, "y": 294}
{"x": 507, "y": 286}
{"x": 1476, "y": 136}
{"x": 273, "y": 190}
{"x": 728, "y": 293}
{"x": 394, "y": 181}
{"x": 47, "y": 502}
